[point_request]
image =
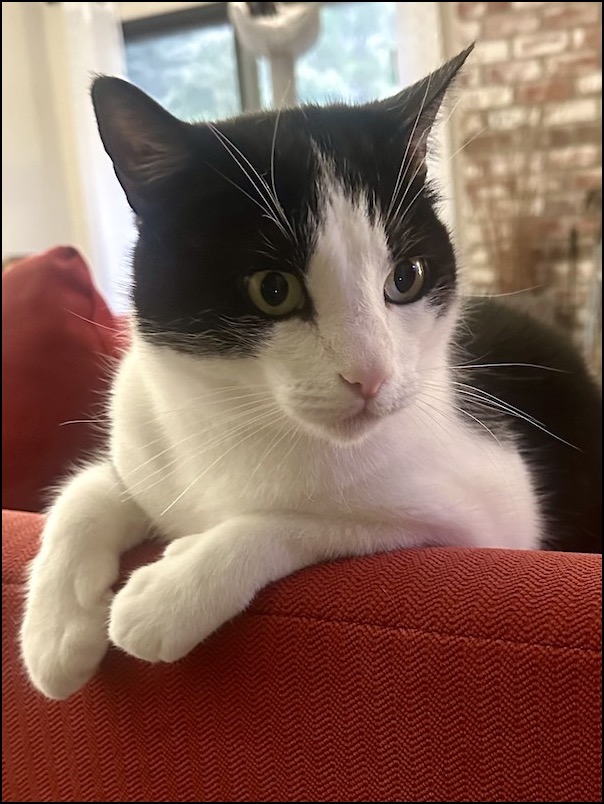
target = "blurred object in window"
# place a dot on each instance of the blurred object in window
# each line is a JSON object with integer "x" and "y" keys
{"x": 280, "y": 32}
{"x": 191, "y": 63}
{"x": 354, "y": 59}
{"x": 262, "y": 9}
{"x": 355, "y": 56}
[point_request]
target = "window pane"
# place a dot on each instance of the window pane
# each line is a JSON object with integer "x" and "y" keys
{"x": 193, "y": 73}
{"x": 354, "y": 58}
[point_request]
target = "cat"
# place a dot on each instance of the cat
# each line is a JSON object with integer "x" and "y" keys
{"x": 304, "y": 382}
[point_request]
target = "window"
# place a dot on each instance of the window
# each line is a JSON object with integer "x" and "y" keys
{"x": 354, "y": 58}
{"x": 186, "y": 62}
{"x": 190, "y": 62}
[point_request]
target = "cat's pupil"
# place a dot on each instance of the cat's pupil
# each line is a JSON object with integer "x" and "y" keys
{"x": 404, "y": 276}
{"x": 274, "y": 289}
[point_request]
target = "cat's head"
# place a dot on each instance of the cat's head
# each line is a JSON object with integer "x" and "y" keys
{"x": 298, "y": 250}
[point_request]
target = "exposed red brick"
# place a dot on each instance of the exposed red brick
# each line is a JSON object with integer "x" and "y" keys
{"x": 531, "y": 170}
{"x": 468, "y": 123}
{"x": 588, "y": 228}
{"x": 589, "y": 39}
{"x": 555, "y": 183}
{"x": 471, "y": 77}
{"x": 544, "y": 91}
{"x": 571, "y": 64}
{"x": 471, "y": 11}
{"x": 567, "y": 207}
{"x": 490, "y": 142}
{"x": 474, "y": 170}
{"x": 589, "y": 84}
{"x": 544, "y": 43}
{"x": 491, "y": 52}
{"x": 488, "y": 97}
{"x": 514, "y": 72}
{"x": 500, "y": 25}
{"x": 496, "y": 8}
{"x": 588, "y": 180}
{"x": 573, "y": 135}
{"x": 577, "y": 110}
{"x": 490, "y": 192}
{"x": 574, "y": 156}
{"x": 517, "y": 165}
{"x": 475, "y": 11}
{"x": 513, "y": 117}
{"x": 550, "y": 228}
{"x": 569, "y": 15}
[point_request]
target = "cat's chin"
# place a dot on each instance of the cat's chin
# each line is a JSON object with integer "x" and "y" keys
{"x": 345, "y": 429}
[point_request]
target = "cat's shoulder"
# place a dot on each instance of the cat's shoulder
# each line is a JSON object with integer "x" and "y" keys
{"x": 493, "y": 330}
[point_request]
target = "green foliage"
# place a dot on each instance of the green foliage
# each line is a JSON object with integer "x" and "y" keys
{"x": 194, "y": 72}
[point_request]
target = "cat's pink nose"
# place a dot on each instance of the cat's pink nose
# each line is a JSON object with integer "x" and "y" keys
{"x": 366, "y": 383}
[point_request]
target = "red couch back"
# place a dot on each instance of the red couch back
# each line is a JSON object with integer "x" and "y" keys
{"x": 60, "y": 343}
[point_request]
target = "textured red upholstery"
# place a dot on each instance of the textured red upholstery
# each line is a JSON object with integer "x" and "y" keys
{"x": 443, "y": 675}
{"x": 58, "y": 338}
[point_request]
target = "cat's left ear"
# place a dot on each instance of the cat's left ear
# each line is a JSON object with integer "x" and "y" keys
{"x": 414, "y": 110}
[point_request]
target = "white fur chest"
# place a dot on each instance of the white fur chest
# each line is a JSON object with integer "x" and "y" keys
{"x": 193, "y": 464}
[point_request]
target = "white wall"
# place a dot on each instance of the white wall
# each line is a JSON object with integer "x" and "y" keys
{"x": 57, "y": 183}
{"x": 35, "y": 207}
{"x": 58, "y": 186}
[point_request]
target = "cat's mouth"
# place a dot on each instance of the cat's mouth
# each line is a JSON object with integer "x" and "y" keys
{"x": 364, "y": 415}
{"x": 356, "y": 424}
{"x": 349, "y": 425}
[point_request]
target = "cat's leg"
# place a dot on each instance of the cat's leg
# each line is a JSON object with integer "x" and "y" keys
{"x": 168, "y": 607}
{"x": 64, "y": 630}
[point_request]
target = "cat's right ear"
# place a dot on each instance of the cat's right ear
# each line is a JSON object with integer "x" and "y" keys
{"x": 147, "y": 145}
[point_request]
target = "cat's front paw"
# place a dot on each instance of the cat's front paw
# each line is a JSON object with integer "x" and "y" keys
{"x": 158, "y": 616}
{"x": 62, "y": 643}
{"x": 141, "y": 621}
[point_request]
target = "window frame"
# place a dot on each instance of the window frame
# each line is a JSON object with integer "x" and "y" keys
{"x": 203, "y": 16}
{"x": 206, "y": 15}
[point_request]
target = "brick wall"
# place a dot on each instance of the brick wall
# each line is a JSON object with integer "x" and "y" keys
{"x": 529, "y": 121}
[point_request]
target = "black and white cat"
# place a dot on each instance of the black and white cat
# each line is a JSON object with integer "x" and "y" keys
{"x": 303, "y": 382}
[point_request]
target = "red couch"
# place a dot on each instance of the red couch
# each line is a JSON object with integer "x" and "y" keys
{"x": 430, "y": 675}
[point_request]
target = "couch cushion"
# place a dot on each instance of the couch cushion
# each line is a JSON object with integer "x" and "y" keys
{"x": 426, "y": 675}
{"x": 59, "y": 342}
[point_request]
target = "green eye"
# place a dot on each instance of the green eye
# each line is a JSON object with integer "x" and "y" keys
{"x": 275, "y": 293}
{"x": 406, "y": 282}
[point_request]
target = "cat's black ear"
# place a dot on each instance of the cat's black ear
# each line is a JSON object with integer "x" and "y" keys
{"x": 414, "y": 110}
{"x": 145, "y": 142}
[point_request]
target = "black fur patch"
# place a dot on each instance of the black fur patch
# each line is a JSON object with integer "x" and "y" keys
{"x": 218, "y": 203}
{"x": 208, "y": 219}
{"x": 203, "y": 235}
{"x": 535, "y": 369}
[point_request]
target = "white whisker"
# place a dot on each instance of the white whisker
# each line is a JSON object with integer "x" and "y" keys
{"x": 497, "y": 404}
{"x": 263, "y": 189}
{"x": 465, "y": 145}
{"x": 400, "y": 177}
{"x": 211, "y": 466}
{"x": 264, "y": 411}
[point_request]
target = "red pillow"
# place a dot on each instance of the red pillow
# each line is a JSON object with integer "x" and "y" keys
{"x": 59, "y": 341}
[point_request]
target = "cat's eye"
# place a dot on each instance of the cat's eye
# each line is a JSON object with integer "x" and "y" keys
{"x": 276, "y": 293}
{"x": 406, "y": 281}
